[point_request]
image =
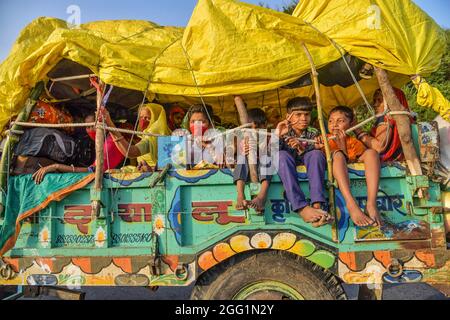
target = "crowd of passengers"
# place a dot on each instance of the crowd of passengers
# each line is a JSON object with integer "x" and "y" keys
{"x": 380, "y": 144}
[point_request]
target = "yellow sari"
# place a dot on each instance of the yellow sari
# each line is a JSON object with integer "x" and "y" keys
{"x": 158, "y": 125}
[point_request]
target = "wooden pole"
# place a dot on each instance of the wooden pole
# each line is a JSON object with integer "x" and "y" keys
{"x": 99, "y": 143}
{"x": 403, "y": 122}
{"x": 243, "y": 117}
{"x": 331, "y": 184}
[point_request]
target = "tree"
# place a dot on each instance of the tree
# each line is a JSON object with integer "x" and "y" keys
{"x": 289, "y": 8}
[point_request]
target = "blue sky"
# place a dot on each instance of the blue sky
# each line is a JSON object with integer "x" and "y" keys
{"x": 16, "y": 14}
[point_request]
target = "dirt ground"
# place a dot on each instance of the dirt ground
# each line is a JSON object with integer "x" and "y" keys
{"x": 418, "y": 291}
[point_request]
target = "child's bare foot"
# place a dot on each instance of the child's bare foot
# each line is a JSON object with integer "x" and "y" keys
{"x": 258, "y": 204}
{"x": 326, "y": 219}
{"x": 374, "y": 214}
{"x": 311, "y": 215}
{"x": 316, "y": 205}
{"x": 241, "y": 203}
{"x": 358, "y": 217}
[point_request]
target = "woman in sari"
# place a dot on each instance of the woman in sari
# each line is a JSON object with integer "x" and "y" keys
{"x": 152, "y": 120}
{"x": 384, "y": 137}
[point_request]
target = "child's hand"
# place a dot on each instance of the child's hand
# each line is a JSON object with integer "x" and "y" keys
{"x": 319, "y": 143}
{"x": 341, "y": 140}
{"x": 295, "y": 144}
{"x": 105, "y": 116}
{"x": 245, "y": 147}
{"x": 282, "y": 128}
{"x": 143, "y": 166}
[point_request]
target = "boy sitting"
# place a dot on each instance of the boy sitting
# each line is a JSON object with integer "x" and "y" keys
{"x": 294, "y": 152}
{"x": 346, "y": 149}
{"x": 258, "y": 119}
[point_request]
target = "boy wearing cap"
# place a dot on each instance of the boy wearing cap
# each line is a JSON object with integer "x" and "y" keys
{"x": 294, "y": 152}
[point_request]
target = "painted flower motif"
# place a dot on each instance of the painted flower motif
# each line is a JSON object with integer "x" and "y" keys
{"x": 240, "y": 243}
{"x": 207, "y": 260}
{"x": 261, "y": 241}
{"x": 303, "y": 248}
{"x": 284, "y": 241}
{"x": 100, "y": 237}
{"x": 223, "y": 251}
{"x": 159, "y": 224}
{"x": 44, "y": 237}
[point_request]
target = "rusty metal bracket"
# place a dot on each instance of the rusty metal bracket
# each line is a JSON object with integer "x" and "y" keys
{"x": 6, "y": 271}
{"x": 161, "y": 175}
{"x": 98, "y": 200}
{"x": 417, "y": 182}
{"x": 182, "y": 272}
{"x": 395, "y": 268}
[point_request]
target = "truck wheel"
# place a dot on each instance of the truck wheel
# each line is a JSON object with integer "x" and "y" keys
{"x": 268, "y": 275}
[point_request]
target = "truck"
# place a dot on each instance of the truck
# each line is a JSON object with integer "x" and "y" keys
{"x": 179, "y": 227}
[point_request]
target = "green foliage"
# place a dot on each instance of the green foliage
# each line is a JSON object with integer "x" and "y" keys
{"x": 286, "y": 8}
{"x": 289, "y": 8}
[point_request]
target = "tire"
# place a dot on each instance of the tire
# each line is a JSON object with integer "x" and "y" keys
{"x": 268, "y": 275}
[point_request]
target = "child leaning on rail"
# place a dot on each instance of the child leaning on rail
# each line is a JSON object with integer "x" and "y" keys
{"x": 241, "y": 173}
{"x": 297, "y": 147}
{"x": 346, "y": 149}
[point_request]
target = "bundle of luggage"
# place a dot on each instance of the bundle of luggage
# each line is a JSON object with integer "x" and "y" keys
{"x": 40, "y": 147}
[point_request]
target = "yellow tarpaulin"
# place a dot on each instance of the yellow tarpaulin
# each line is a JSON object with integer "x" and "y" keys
{"x": 394, "y": 35}
{"x": 227, "y": 48}
{"x": 430, "y": 97}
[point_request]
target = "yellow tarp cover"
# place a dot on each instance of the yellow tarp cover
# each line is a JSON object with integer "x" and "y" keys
{"x": 227, "y": 48}
{"x": 430, "y": 97}
{"x": 394, "y": 35}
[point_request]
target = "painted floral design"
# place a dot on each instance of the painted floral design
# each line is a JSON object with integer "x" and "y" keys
{"x": 261, "y": 241}
{"x": 44, "y": 237}
{"x": 281, "y": 241}
{"x": 100, "y": 237}
{"x": 159, "y": 224}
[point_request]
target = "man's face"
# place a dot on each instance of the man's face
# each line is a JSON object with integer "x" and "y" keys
{"x": 338, "y": 121}
{"x": 299, "y": 119}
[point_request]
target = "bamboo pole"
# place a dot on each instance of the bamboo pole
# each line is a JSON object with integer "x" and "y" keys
{"x": 403, "y": 122}
{"x": 243, "y": 117}
{"x": 99, "y": 143}
{"x": 11, "y": 141}
{"x": 331, "y": 184}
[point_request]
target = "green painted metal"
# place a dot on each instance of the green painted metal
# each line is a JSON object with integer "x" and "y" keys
{"x": 192, "y": 229}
